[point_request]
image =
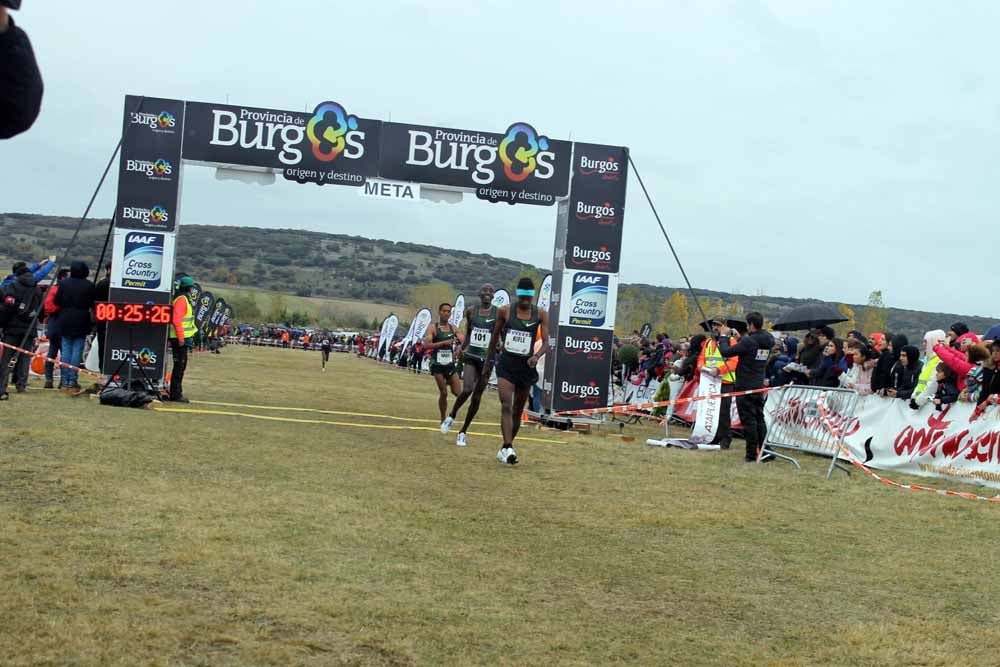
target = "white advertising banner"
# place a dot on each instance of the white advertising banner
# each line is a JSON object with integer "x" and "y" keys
{"x": 545, "y": 293}
{"x": 886, "y": 434}
{"x": 457, "y": 311}
{"x": 390, "y": 330}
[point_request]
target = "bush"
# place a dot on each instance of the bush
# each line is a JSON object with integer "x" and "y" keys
{"x": 629, "y": 356}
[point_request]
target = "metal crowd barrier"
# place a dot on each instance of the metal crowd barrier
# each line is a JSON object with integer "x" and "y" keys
{"x": 795, "y": 424}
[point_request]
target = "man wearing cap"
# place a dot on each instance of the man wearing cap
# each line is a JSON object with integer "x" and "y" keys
{"x": 181, "y": 334}
{"x": 716, "y": 365}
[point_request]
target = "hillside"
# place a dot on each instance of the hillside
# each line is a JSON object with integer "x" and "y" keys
{"x": 305, "y": 263}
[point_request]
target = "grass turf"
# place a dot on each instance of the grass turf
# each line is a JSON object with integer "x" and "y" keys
{"x": 135, "y": 537}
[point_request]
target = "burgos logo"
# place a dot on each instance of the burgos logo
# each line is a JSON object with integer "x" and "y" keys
{"x": 145, "y": 357}
{"x": 327, "y": 130}
{"x": 157, "y": 214}
{"x": 521, "y": 152}
{"x": 158, "y": 122}
{"x": 518, "y": 149}
{"x": 330, "y": 131}
{"x": 593, "y": 347}
{"x": 604, "y": 213}
{"x": 590, "y": 393}
{"x": 160, "y": 170}
{"x": 608, "y": 169}
{"x": 600, "y": 258}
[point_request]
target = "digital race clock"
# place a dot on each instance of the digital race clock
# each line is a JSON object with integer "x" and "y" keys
{"x": 132, "y": 313}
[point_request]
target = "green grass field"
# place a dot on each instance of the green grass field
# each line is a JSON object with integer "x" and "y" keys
{"x": 312, "y": 537}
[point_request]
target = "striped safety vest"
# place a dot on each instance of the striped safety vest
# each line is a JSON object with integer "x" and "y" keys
{"x": 714, "y": 358}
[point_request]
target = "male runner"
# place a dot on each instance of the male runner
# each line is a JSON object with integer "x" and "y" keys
{"x": 325, "y": 347}
{"x": 517, "y": 327}
{"x": 476, "y": 372}
{"x": 440, "y": 342}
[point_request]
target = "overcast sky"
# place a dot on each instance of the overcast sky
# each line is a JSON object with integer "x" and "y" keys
{"x": 798, "y": 148}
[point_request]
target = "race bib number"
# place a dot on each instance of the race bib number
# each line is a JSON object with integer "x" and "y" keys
{"x": 480, "y": 337}
{"x": 444, "y": 357}
{"x": 762, "y": 355}
{"x": 518, "y": 342}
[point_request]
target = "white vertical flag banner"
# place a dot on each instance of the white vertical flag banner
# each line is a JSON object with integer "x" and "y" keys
{"x": 545, "y": 293}
{"x": 457, "y": 311}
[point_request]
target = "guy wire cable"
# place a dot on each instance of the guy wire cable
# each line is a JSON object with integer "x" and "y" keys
{"x": 667, "y": 237}
{"x": 79, "y": 225}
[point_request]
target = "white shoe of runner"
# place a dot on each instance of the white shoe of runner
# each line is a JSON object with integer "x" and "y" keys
{"x": 460, "y": 440}
{"x": 502, "y": 455}
{"x": 511, "y": 456}
{"x": 446, "y": 424}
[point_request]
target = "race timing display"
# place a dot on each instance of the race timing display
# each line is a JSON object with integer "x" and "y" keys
{"x": 133, "y": 313}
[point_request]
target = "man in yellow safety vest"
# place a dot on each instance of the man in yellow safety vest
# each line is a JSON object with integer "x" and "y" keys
{"x": 718, "y": 366}
{"x": 182, "y": 332}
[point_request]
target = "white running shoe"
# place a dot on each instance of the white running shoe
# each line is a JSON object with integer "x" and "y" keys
{"x": 507, "y": 456}
{"x": 446, "y": 424}
{"x": 460, "y": 440}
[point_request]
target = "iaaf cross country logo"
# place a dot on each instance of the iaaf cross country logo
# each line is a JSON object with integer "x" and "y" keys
{"x": 599, "y": 258}
{"x": 331, "y": 132}
{"x": 588, "y": 302}
{"x": 158, "y": 170}
{"x": 163, "y": 122}
{"x": 603, "y": 214}
{"x": 521, "y": 153}
{"x": 592, "y": 348}
{"x": 142, "y": 264}
{"x": 607, "y": 168}
{"x": 155, "y": 215}
{"x": 590, "y": 393}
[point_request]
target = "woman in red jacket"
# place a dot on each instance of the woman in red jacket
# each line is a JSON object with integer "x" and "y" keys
{"x": 961, "y": 362}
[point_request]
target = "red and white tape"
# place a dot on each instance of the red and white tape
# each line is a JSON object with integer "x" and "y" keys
{"x": 43, "y": 356}
{"x": 836, "y": 433}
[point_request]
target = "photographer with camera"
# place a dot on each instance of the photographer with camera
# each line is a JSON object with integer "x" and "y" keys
{"x": 20, "y": 80}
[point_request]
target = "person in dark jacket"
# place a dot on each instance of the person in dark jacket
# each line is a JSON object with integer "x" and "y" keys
{"x": 956, "y": 331}
{"x": 991, "y": 377}
{"x": 75, "y": 299}
{"x": 753, "y": 351}
{"x": 776, "y": 376}
{"x": 905, "y": 373}
{"x": 22, "y": 301}
{"x": 882, "y": 375}
{"x": 20, "y": 80}
{"x": 833, "y": 365}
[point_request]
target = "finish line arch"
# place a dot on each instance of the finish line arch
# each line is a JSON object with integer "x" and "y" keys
{"x": 585, "y": 183}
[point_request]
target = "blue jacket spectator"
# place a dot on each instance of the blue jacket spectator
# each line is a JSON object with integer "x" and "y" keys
{"x": 39, "y": 269}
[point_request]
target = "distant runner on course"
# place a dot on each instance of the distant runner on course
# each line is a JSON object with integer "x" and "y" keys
{"x": 440, "y": 343}
{"x": 479, "y": 323}
{"x": 325, "y": 347}
{"x": 516, "y": 329}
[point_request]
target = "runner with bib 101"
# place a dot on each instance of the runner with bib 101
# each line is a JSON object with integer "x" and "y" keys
{"x": 440, "y": 342}
{"x": 479, "y": 323}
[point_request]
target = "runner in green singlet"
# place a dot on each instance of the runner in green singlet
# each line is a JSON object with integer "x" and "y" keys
{"x": 479, "y": 323}
{"x": 518, "y": 326}
{"x": 440, "y": 344}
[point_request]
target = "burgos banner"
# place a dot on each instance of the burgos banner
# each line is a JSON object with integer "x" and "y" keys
{"x": 325, "y": 146}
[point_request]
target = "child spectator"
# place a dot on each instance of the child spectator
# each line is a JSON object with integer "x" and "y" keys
{"x": 947, "y": 391}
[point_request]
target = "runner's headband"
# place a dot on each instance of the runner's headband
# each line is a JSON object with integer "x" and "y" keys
{"x": 525, "y": 292}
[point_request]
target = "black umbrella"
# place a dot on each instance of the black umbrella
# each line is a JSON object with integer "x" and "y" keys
{"x": 809, "y": 316}
{"x": 739, "y": 325}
